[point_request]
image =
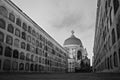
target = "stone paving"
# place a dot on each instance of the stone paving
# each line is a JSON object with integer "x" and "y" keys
{"x": 61, "y": 76}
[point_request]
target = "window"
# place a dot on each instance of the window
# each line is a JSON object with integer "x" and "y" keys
{"x": 8, "y": 52}
{"x": 36, "y": 67}
{"x": 1, "y": 49}
{"x": 37, "y": 43}
{"x": 119, "y": 54}
{"x": 14, "y": 65}
{"x": 9, "y": 40}
{"x": 108, "y": 64}
{"x": 118, "y": 27}
{"x": 116, "y": 5}
{"x": 33, "y": 49}
{"x": 2, "y": 24}
{"x": 27, "y": 66}
{"x": 32, "y": 58}
{"x": 0, "y": 64}
{"x": 18, "y": 21}
{"x": 39, "y": 59}
{"x": 29, "y": 29}
{"x": 23, "y": 45}
{"x": 16, "y": 42}
{"x": 15, "y": 54}
{"x": 29, "y": 38}
{"x": 22, "y": 56}
{"x": 115, "y": 59}
{"x": 21, "y": 66}
{"x": 6, "y": 65}
{"x": 17, "y": 32}
{"x": 111, "y": 62}
{"x": 1, "y": 37}
{"x": 3, "y": 11}
{"x": 27, "y": 57}
{"x": 12, "y": 17}
{"x": 36, "y": 58}
{"x": 113, "y": 36}
{"x": 33, "y": 32}
{"x": 10, "y": 28}
{"x": 32, "y": 67}
{"x": 28, "y": 47}
{"x": 37, "y": 50}
{"x": 24, "y": 35}
{"x": 24, "y": 26}
{"x": 33, "y": 41}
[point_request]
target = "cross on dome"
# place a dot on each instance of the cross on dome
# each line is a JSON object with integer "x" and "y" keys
{"x": 72, "y": 32}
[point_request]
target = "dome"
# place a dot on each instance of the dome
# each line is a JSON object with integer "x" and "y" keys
{"x": 73, "y": 40}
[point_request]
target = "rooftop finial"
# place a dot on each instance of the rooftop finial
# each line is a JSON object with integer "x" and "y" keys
{"x": 72, "y": 32}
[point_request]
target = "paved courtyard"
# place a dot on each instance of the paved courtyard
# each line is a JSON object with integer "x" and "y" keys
{"x": 61, "y": 76}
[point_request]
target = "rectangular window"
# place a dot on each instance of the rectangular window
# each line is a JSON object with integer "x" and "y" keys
{"x": 9, "y": 39}
{"x": 1, "y": 49}
{"x": 0, "y": 64}
{"x": 17, "y": 32}
{"x": 1, "y": 37}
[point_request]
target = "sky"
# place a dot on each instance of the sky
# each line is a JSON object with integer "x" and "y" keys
{"x": 59, "y": 17}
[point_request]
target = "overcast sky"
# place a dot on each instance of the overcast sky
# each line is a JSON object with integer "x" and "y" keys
{"x": 59, "y": 17}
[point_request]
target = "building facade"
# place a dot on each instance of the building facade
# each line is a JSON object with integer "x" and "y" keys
{"x": 107, "y": 37}
{"x": 25, "y": 46}
{"x": 76, "y": 53}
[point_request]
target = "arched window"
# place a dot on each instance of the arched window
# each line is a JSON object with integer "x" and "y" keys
{"x": 29, "y": 38}
{"x": 14, "y": 65}
{"x": 24, "y": 26}
{"x": 119, "y": 54}
{"x": 33, "y": 41}
{"x": 36, "y": 58}
{"x": 16, "y": 42}
{"x": 21, "y": 66}
{"x": 115, "y": 59}
{"x": 118, "y": 27}
{"x": 3, "y": 11}
{"x": 10, "y": 28}
{"x": 2, "y": 24}
{"x": 27, "y": 66}
{"x": 113, "y": 36}
{"x": 108, "y": 63}
{"x": 32, "y": 58}
{"x": 18, "y": 21}
{"x": 9, "y": 40}
{"x": 79, "y": 55}
{"x": 111, "y": 66}
{"x": 23, "y": 45}
{"x": 28, "y": 47}
{"x": 1, "y": 49}
{"x": 11, "y": 17}
{"x": 29, "y": 29}
{"x": 17, "y": 32}
{"x": 8, "y": 52}
{"x": 0, "y": 64}
{"x": 24, "y": 35}
{"x": 1, "y": 36}
{"x": 39, "y": 59}
{"x": 36, "y": 67}
{"x": 27, "y": 57}
{"x": 15, "y": 54}
{"x": 32, "y": 67}
{"x": 6, "y": 65}
{"x": 22, "y": 56}
{"x": 116, "y": 5}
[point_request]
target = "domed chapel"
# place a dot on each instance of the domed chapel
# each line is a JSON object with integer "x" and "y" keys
{"x": 76, "y": 52}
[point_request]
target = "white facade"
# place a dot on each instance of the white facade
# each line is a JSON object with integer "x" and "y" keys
{"x": 76, "y": 52}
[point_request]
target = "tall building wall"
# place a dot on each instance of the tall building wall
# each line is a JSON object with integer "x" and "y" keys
{"x": 25, "y": 46}
{"x": 107, "y": 37}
